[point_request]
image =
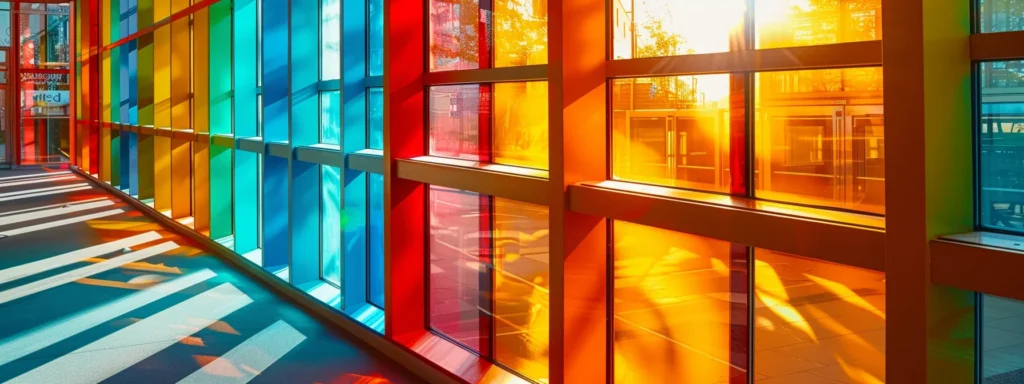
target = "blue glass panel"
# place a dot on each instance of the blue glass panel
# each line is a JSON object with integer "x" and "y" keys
{"x": 376, "y": 265}
{"x": 376, "y": 101}
{"x": 330, "y": 117}
{"x": 330, "y": 224}
{"x": 1001, "y": 131}
{"x": 1000, "y": 15}
{"x": 375, "y": 67}
{"x": 330, "y": 39}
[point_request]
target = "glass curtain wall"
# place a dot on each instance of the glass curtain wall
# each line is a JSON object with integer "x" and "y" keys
{"x": 44, "y": 64}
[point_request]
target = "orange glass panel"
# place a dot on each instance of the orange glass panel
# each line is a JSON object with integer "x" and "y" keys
{"x": 791, "y": 23}
{"x": 674, "y": 131}
{"x": 816, "y": 321}
{"x": 820, "y": 138}
{"x": 520, "y": 32}
{"x": 655, "y": 28}
{"x": 521, "y": 284}
{"x": 521, "y": 124}
{"x": 680, "y": 308}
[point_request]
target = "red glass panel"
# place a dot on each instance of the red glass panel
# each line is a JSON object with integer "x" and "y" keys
{"x": 460, "y": 119}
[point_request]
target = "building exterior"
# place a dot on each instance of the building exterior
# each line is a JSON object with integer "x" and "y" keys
{"x": 580, "y": 191}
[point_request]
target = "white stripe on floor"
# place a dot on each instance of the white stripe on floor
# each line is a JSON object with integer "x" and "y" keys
{"x": 37, "y": 190}
{"x": 14, "y": 219}
{"x": 250, "y": 358}
{"x": 36, "y": 339}
{"x": 33, "y": 209}
{"x": 70, "y": 276}
{"x": 29, "y": 269}
{"x": 34, "y": 175}
{"x": 35, "y": 181}
{"x": 58, "y": 223}
{"x": 106, "y": 357}
{"x": 25, "y": 196}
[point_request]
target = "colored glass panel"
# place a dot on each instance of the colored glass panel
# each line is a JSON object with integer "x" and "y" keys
{"x": 1002, "y": 340}
{"x": 330, "y": 117}
{"x": 677, "y": 131}
{"x": 520, "y": 32}
{"x": 816, "y": 321}
{"x": 460, "y": 33}
{"x": 656, "y": 28}
{"x": 1000, "y": 15}
{"x": 459, "y": 121}
{"x": 819, "y": 138}
{"x": 330, "y": 39}
{"x": 521, "y": 124}
{"x": 791, "y": 23}
{"x": 376, "y": 245}
{"x": 459, "y": 258}
{"x": 375, "y": 17}
{"x": 376, "y": 117}
{"x": 680, "y": 307}
{"x": 330, "y": 224}
{"x": 1001, "y": 131}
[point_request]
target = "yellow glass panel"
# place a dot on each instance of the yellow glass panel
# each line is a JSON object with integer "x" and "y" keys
{"x": 674, "y": 131}
{"x": 680, "y": 308}
{"x": 820, "y": 138}
{"x": 520, "y": 32}
{"x": 521, "y": 285}
{"x": 656, "y": 28}
{"x": 817, "y": 320}
{"x": 791, "y": 23}
{"x": 521, "y": 124}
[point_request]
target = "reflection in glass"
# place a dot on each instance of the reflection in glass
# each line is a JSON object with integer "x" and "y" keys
{"x": 330, "y": 117}
{"x": 657, "y": 28}
{"x": 1002, "y": 144}
{"x": 1000, "y": 15}
{"x": 376, "y": 245}
{"x": 792, "y": 23}
{"x": 44, "y": 58}
{"x": 675, "y": 131}
{"x": 817, "y": 320}
{"x": 680, "y": 307}
{"x": 330, "y": 39}
{"x": 375, "y": 65}
{"x": 460, "y": 33}
{"x": 1002, "y": 336}
{"x": 376, "y": 117}
{"x": 330, "y": 224}
{"x": 521, "y": 124}
{"x": 819, "y": 138}
{"x": 460, "y": 280}
{"x": 460, "y": 121}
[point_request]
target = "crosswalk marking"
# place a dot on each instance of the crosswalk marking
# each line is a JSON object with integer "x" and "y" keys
{"x": 244, "y": 362}
{"x": 29, "y": 269}
{"x": 36, "y": 339}
{"x": 69, "y": 276}
{"x": 107, "y": 356}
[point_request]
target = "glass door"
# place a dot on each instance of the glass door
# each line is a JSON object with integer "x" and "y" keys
{"x": 44, "y": 75}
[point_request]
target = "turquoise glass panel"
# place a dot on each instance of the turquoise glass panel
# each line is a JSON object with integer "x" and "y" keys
{"x": 376, "y": 117}
{"x": 376, "y": 265}
{"x": 375, "y": 67}
{"x": 330, "y": 224}
{"x": 330, "y": 39}
{"x": 330, "y": 117}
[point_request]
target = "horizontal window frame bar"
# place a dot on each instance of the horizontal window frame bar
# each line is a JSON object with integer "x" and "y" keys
{"x": 834, "y": 242}
{"x": 997, "y": 46}
{"x": 281, "y": 149}
{"x": 524, "y": 73}
{"x": 250, "y": 144}
{"x": 223, "y": 140}
{"x": 329, "y": 85}
{"x": 373, "y": 81}
{"x": 476, "y": 179}
{"x": 167, "y": 20}
{"x": 165, "y": 132}
{"x": 366, "y": 160}
{"x": 323, "y": 154}
{"x": 842, "y": 55}
{"x": 977, "y": 267}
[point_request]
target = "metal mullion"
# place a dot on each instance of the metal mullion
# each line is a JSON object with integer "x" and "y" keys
{"x": 536, "y": 72}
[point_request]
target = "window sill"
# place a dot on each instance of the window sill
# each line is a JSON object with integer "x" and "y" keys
{"x": 456, "y": 360}
{"x": 520, "y": 184}
{"x": 986, "y": 262}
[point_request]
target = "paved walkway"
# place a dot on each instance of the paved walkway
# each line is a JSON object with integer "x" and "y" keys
{"x": 92, "y": 290}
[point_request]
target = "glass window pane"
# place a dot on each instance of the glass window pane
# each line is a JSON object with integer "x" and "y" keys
{"x": 817, "y": 320}
{"x": 376, "y": 245}
{"x": 460, "y": 34}
{"x": 330, "y": 117}
{"x": 680, "y": 307}
{"x": 819, "y": 138}
{"x": 521, "y": 285}
{"x": 460, "y": 280}
{"x": 1002, "y": 336}
{"x": 792, "y": 23}
{"x": 376, "y": 101}
{"x": 521, "y": 124}
{"x": 330, "y": 39}
{"x": 676, "y": 131}
{"x": 330, "y": 224}
{"x": 1000, "y": 15}
{"x": 457, "y": 113}
{"x": 655, "y": 28}
{"x": 375, "y": 67}
{"x": 1002, "y": 143}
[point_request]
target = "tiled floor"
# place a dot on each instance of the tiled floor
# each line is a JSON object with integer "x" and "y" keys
{"x": 92, "y": 290}
{"x": 1002, "y": 338}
